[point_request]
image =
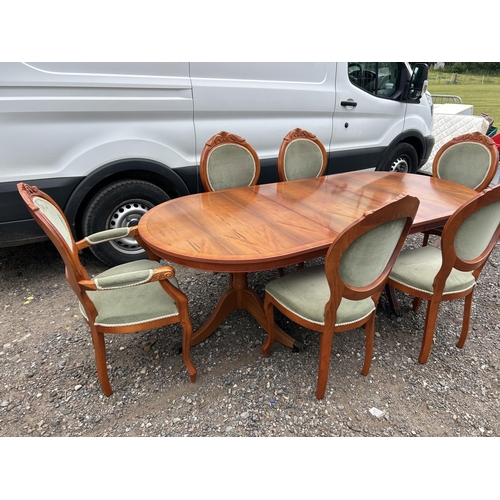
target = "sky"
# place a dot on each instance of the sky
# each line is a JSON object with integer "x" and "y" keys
{"x": 261, "y": 30}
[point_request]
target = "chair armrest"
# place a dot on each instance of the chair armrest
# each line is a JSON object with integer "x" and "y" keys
{"x": 129, "y": 279}
{"x": 116, "y": 234}
{"x": 108, "y": 235}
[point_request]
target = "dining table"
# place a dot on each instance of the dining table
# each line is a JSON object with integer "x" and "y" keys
{"x": 270, "y": 226}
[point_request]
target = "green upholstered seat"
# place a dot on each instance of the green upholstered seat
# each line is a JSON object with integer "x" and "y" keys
{"x": 125, "y": 306}
{"x": 417, "y": 268}
{"x": 306, "y": 293}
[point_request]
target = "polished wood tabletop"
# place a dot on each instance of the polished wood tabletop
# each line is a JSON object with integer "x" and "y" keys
{"x": 274, "y": 225}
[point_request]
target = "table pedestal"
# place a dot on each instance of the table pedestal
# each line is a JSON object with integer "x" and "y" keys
{"x": 239, "y": 296}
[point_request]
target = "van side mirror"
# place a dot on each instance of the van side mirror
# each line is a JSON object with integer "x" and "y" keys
{"x": 417, "y": 84}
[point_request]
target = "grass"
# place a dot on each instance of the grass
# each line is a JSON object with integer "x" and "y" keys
{"x": 482, "y": 91}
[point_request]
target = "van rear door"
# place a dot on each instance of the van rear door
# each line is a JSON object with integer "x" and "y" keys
{"x": 262, "y": 102}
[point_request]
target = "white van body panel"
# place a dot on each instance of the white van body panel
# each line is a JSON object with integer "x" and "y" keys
{"x": 60, "y": 124}
{"x": 240, "y": 97}
{"x": 123, "y": 150}
{"x": 420, "y": 117}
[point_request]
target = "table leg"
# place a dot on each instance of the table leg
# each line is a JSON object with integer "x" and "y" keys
{"x": 239, "y": 296}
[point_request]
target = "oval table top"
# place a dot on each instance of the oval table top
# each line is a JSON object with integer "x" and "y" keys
{"x": 274, "y": 225}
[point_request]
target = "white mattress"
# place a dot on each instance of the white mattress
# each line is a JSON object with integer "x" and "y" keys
{"x": 446, "y": 127}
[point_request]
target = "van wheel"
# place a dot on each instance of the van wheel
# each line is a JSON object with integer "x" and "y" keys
{"x": 120, "y": 204}
{"x": 403, "y": 158}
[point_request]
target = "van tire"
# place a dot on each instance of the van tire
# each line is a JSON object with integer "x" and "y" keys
{"x": 120, "y": 204}
{"x": 403, "y": 158}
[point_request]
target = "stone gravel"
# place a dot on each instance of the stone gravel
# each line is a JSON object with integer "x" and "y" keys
{"x": 49, "y": 385}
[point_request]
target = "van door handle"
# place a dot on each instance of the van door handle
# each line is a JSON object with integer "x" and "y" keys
{"x": 349, "y": 103}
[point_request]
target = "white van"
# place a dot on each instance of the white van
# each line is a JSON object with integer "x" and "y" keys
{"x": 110, "y": 140}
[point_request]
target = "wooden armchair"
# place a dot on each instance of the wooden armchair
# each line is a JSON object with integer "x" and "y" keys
{"x": 128, "y": 298}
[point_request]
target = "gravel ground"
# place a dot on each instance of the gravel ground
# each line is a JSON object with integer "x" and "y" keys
{"x": 49, "y": 385}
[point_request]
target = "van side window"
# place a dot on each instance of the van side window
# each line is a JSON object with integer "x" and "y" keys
{"x": 377, "y": 78}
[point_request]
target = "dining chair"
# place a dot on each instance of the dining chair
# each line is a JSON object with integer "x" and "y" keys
{"x": 301, "y": 156}
{"x": 469, "y": 159}
{"x": 451, "y": 272}
{"x": 131, "y": 297}
{"x": 343, "y": 293}
{"x": 228, "y": 161}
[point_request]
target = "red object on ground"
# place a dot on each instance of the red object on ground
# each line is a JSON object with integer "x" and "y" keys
{"x": 496, "y": 140}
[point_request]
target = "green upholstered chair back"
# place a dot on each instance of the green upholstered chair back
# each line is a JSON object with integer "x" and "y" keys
{"x": 230, "y": 166}
{"x": 361, "y": 257}
{"x": 51, "y": 219}
{"x": 476, "y": 231}
{"x": 301, "y": 156}
{"x": 59, "y": 222}
{"x": 470, "y": 159}
{"x": 472, "y": 232}
{"x": 368, "y": 255}
{"x": 228, "y": 161}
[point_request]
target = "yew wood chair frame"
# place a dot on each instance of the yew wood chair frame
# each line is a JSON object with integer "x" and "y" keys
{"x": 290, "y": 140}
{"x": 448, "y": 280}
{"x": 489, "y": 168}
{"x": 212, "y": 147}
{"x": 139, "y": 274}
{"x": 217, "y": 141}
{"x": 344, "y": 282}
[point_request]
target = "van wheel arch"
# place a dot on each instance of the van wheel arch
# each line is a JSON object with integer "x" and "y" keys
{"x": 120, "y": 203}
{"x": 403, "y": 157}
{"x": 157, "y": 176}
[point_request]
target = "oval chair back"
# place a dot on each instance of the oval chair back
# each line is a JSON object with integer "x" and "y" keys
{"x": 228, "y": 161}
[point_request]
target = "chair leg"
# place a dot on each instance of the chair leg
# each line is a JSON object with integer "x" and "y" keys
{"x": 325, "y": 350}
{"x": 425, "y": 240}
{"x": 466, "y": 320}
{"x": 370, "y": 334}
{"x": 430, "y": 325}
{"x": 100, "y": 361}
{"x": 416, "y": 303}
{"x": 187, "y": 331}
{"x": 271, "y": 333}
{"x": 281, "y": 270}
